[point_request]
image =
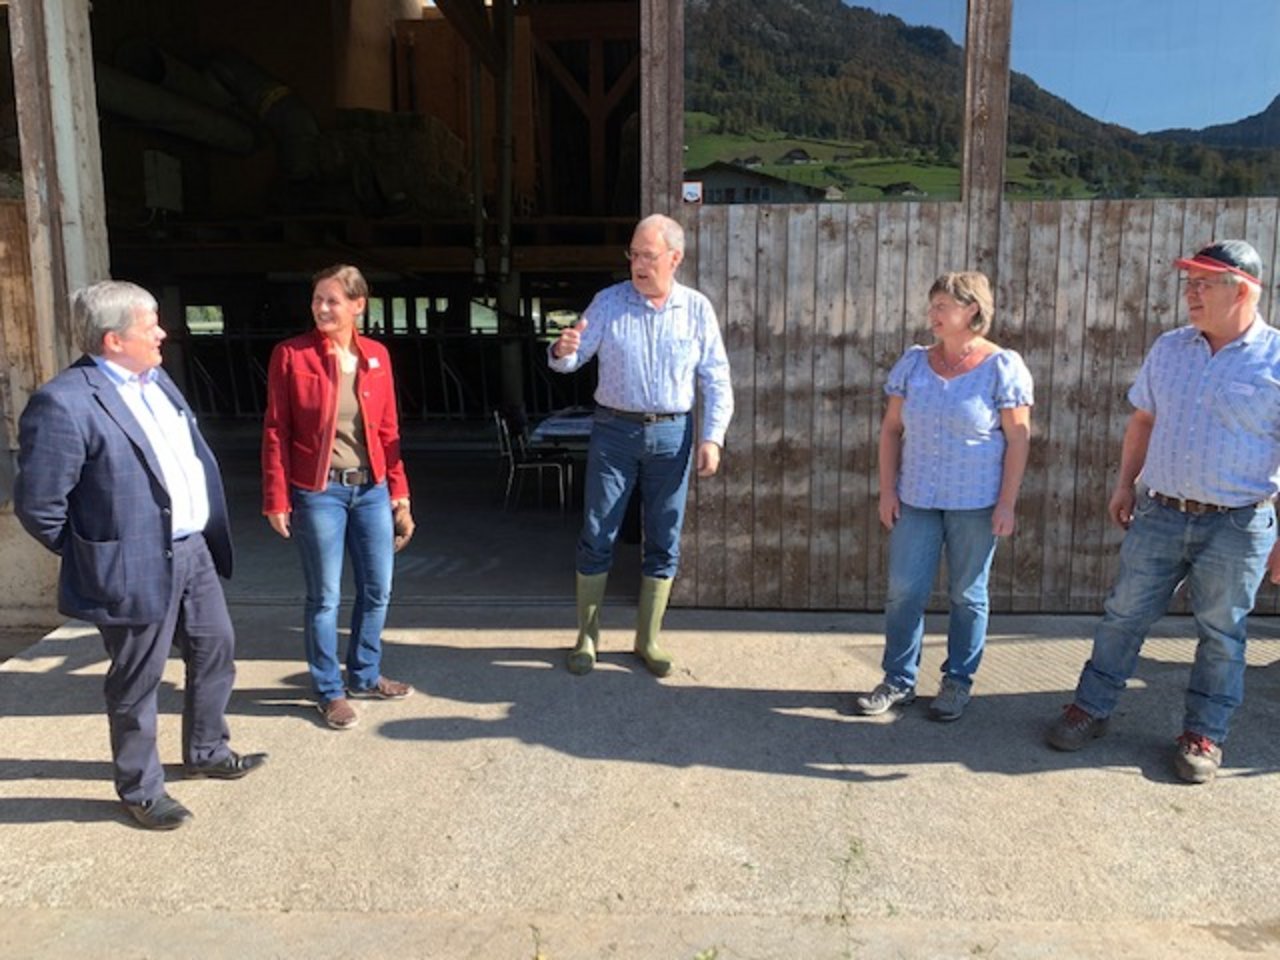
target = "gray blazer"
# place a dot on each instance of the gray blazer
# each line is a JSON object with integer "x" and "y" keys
{"x": 90, "y": 489}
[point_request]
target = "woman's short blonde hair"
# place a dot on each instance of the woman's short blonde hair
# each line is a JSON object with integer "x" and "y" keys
{"x": 352, "y": 281}
{"x": 966, "y": 287}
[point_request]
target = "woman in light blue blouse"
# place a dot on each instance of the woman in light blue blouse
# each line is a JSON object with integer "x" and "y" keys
{"x": 953, "y": 449}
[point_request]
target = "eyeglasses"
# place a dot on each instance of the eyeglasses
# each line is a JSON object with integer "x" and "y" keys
{"x": 644, "y": 256}
{"x": 1200, "y": 285}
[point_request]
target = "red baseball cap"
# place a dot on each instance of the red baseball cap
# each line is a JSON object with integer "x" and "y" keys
{"x": 1226, "y": 256}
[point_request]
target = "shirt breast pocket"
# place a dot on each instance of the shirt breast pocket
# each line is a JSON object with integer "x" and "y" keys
{"x": 1251, "y": 407}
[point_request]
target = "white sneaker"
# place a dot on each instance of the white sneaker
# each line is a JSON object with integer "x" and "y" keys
{"x": 882, "y": 698}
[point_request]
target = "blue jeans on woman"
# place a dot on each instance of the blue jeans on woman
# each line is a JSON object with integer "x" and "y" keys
{"x": 916, "y": 544}
{"x": 624, "y": 456}
{"x": 1222, "y": 557}
{"x": 326, "y": 524}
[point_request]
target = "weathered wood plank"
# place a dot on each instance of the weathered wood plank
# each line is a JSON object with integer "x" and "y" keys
{"x": 1089, "y": 570}
{"x": 770, "y": 360}
{"x": 829, "y": 320}
{"x": 889, "y": 339}
{"x": 1024, "y": 322}
{"x": 860, "y": 407}
{"x": 797, "y": 410}
{"x": 986, "y": 120}
{"x": 1065, "y": 388}
{"x": 739, "y": 322}
{"x": 709, "y": 560}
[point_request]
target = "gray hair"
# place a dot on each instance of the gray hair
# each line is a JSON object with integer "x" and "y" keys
{"x": 109, "y": 306}
{"x": 1255, "y": 289}
{"x": 671, "y": 232}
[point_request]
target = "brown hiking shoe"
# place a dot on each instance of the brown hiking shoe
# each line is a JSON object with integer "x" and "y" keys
{"x": 1198, "y": 758}
{"x": 339, "y": 714}
{"x": 1075, "y": 728}
{"x": 384, "y": 689}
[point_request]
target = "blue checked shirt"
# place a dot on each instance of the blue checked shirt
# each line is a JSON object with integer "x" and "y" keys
{"x": 651, "y": 358}
{"x": 1216, "y": 436}
{"x": 169, "y": 434}
{"x": 953, "y": 441}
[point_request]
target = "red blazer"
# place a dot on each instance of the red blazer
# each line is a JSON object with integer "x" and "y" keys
{"x": 302, "y": 415}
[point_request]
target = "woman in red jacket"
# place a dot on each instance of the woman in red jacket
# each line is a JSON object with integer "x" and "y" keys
{"x": 333, "y": 481}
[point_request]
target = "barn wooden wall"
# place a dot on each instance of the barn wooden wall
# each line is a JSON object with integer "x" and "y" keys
{"x": 817, "y": 302}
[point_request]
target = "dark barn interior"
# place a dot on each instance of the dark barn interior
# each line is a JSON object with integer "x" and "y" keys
{"x": 480, "y": 164}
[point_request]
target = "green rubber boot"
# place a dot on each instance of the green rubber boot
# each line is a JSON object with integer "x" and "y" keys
{"x": 590, "y": 592}
{"x": 654, "y": 594}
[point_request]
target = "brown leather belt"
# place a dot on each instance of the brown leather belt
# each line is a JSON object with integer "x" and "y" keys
{"x": 351, "y": 476}
{"x": 1191, "y": 506}
{"x": 645, "y": 417}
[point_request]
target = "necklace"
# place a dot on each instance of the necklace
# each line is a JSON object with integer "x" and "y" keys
{"x": 948, "y": 366}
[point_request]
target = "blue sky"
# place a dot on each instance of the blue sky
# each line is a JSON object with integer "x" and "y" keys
{"x": 1144, "y": 64}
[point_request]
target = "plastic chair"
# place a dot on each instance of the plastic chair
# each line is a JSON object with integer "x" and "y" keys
{"x": 520, "y": 460}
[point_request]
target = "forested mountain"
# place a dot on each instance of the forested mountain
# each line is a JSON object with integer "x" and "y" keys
{"x": 819, "y": 69}
{"x": 1260, "y": 130}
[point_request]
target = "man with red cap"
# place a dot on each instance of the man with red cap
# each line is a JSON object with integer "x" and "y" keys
{"x": 1199, "y": 473}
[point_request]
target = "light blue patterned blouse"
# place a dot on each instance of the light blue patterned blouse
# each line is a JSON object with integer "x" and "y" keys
{"x": 952, "y": 442}
{"x": 650, "y": 358}
{"x": 1217, "y": 432}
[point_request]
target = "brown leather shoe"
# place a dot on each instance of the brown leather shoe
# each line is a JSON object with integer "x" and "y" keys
{"x": 339, "y": 714}
{"x": 384, "y": 689}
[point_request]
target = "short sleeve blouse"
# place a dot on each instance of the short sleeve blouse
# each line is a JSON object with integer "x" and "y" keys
{"x": 953, "y": 444}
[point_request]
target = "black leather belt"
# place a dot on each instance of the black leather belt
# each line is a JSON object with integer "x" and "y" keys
{"x": 351, "y": 476}
{"x": 645, "y": 417}
{"x": 1191, "y": 506}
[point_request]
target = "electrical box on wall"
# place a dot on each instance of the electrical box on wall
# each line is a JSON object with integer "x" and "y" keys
{"x": 162, "y": 181}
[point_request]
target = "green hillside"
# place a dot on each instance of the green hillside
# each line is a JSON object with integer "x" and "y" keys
{"x": 878, "y": 102}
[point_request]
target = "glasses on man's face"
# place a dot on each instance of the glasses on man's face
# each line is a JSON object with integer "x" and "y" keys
{"x": 1199, "y": 284}
{"x": 644, "y": 256}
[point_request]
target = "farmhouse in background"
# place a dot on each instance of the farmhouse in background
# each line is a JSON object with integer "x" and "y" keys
{"x": 729, "y": 183}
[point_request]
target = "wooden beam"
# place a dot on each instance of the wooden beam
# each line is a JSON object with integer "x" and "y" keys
{"x": 468, "y": 17}
{"x": 661, "y": 105}
{"x": 61, "y": 165}
{"x": 986, "y": 125}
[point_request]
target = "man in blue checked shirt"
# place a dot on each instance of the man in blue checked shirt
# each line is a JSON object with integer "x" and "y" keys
{"x": 656, "y": 339}
{"x": 1199, "y": 472}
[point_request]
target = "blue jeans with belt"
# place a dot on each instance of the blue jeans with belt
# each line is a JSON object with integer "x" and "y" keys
{"x": 1222, "y": 557}
{"x": 624, "y": 456}
{"x": 355, "y": 520}
{"x": 916, "y": 544}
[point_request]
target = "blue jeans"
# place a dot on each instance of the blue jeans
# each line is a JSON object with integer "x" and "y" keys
{"x": 625, "y": 455}
{"x": 916, "y": 544}
{"x": 325, "y": 524}
{"x": 1223, "y": 557}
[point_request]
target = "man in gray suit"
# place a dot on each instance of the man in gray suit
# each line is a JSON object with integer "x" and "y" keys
{"x": 115, "y": 477}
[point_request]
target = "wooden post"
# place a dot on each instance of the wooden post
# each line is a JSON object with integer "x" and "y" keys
{"x": 985, "y": 126}
{"x": 61, "y": 165}
{"x": 661, "y": 105}
{"x": 65, "y": 247}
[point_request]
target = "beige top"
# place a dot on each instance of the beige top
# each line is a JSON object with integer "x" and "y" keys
{"x": 349, "y": 448}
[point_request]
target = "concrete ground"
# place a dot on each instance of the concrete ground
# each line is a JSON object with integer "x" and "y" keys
{"x": 733, "y": 810}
